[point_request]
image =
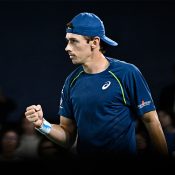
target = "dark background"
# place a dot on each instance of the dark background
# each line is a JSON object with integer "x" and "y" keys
{"x": 34, "y": 65}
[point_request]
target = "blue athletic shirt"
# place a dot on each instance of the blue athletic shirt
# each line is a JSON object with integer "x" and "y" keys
{"x": 105, "y": 105}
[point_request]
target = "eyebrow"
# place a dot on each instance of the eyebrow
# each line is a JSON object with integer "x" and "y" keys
{"x": 71, "y": 38}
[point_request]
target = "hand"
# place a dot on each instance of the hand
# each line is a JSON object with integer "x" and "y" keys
{"x": 34, "y": 114}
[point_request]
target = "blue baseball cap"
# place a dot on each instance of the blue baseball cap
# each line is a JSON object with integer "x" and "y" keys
{"x": 88, "y": 24}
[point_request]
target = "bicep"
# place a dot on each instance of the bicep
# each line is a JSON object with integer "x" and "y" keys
{"x": 151, "y": 121}
{"x": 150, "y": 117}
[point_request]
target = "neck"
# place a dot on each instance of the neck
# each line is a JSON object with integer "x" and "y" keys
{"x": 96, "y": 64}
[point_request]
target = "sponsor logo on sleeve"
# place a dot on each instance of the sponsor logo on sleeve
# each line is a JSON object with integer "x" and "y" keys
{"x": 144, "y": 103}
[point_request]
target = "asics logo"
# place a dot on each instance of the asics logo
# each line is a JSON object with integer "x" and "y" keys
{"x": 106, "y": 85}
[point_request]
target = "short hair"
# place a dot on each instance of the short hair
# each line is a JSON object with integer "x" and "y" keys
{"x": 69, "y": 25}
{"x": 103, "y": 45}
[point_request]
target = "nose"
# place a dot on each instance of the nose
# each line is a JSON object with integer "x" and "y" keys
{"x": 67, "y": 48}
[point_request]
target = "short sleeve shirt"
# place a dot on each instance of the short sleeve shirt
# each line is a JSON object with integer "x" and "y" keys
{"x": 105, "y": 105}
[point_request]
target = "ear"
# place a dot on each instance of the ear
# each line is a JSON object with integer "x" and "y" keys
{"x": 95, "y": 42}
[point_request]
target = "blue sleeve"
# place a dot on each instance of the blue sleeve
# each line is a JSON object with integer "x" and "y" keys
{"x": 65, "y": 108}
{"x": 138, "y": 92}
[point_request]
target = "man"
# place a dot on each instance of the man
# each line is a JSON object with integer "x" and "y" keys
{"x": 100, "y": 99}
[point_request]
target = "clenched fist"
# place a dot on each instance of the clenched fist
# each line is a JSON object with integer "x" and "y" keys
{"x": 34, "y": 114}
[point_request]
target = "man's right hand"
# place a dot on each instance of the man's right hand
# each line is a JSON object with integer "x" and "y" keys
{"x": 34, "y": 114}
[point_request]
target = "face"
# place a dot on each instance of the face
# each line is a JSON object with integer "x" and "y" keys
{"x": 78, "y": 48}
{"x": 9, "y": 141}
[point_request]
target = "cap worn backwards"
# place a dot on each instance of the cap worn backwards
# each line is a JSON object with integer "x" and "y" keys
{"x": 88, "y": 24}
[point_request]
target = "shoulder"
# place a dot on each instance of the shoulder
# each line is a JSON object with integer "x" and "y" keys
{"x": 122, "y": 66}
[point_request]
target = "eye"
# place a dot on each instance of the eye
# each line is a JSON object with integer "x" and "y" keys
{"x": 73, "y": 41}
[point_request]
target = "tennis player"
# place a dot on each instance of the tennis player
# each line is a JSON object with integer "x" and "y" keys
{"x": 101, "y": 98}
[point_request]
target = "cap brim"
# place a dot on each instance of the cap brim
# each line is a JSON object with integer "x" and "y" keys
{"x": 109, "y": 41}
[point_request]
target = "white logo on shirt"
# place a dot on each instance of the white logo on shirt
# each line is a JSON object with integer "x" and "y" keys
{"x": 106, "y": 85}
{"x": 61, "y": 101}
{"x": 143, "y": 104}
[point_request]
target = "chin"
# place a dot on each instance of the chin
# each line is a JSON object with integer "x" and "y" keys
{"x": 75, "y": 62}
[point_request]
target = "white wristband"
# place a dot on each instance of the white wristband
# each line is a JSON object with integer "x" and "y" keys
{"x": 45, "y": 127}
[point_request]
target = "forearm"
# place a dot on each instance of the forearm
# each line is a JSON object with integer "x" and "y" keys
{"x": 157, "y": 138}
{"x": 155, "y": 131}
{"x": 58, "y": 134}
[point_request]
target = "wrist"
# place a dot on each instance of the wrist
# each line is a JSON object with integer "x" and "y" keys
{"x": 45, "y": 127}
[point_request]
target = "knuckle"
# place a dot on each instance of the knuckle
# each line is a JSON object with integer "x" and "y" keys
{"x": 27, "y": 117}
{"x": 32, "y": 111}
{"x": 26, "y": 113}
{"x": 30, "y": 107}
